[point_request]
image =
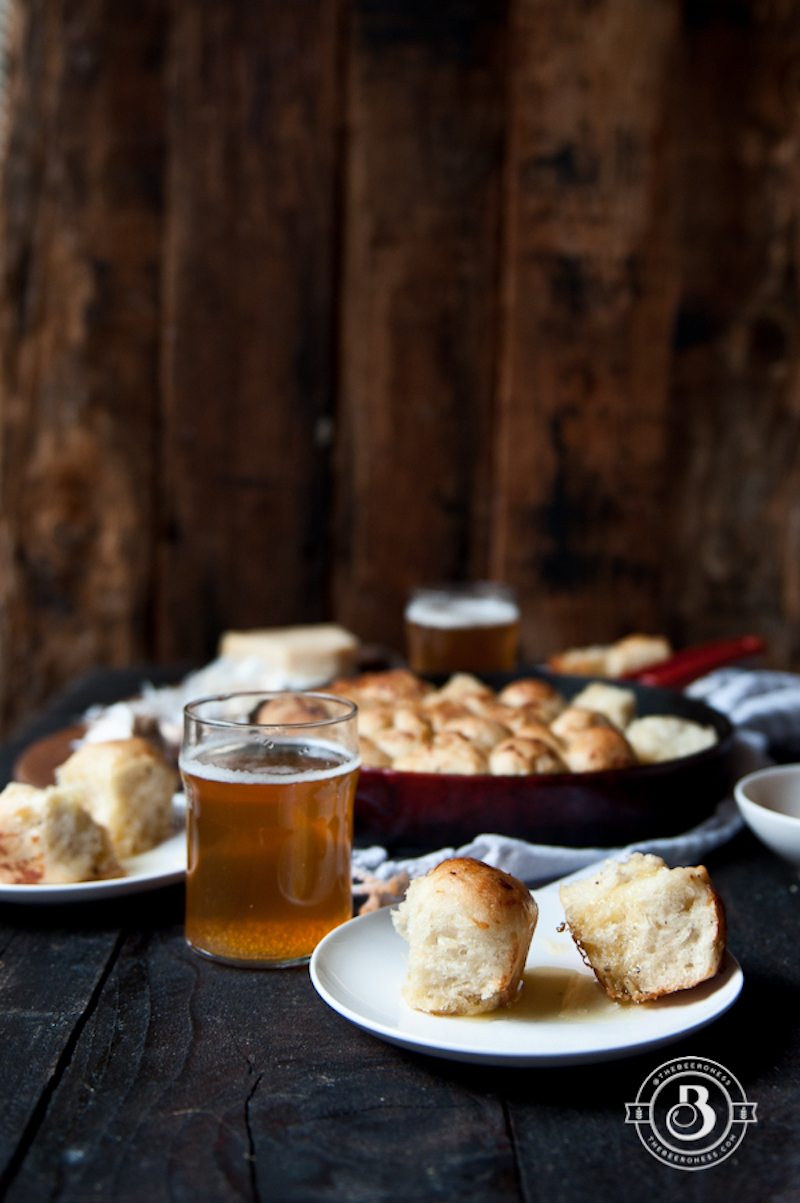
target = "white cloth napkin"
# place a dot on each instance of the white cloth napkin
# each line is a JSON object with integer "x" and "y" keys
{"x": 764, "y": 707}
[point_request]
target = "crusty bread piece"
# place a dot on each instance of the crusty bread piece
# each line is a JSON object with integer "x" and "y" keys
{"x": 636, "y": 652}
{"x": 399, "y": 744}
{"x": 393, "y": 686}
{"x": 659, "y": 737}
{"x": 303, "y": 655}
{"x": 47, "y": 837}
{"x": 127, "y": 786}
{"x": 468, "y": 928}
{"x": 627, "y": 655}
{"x": 410, "y": 717}
{"x": 616, "y": 703}
{"x": 288, "y": 707}
{"x": 532, "y": 728}
{"x": 581, "y": 661}
{"x": 482, "y": 733}
{"x": 645, "y": 929}
{"x": 449, "y": 752}
{"x": 540, "y": 696}
{"x": 458, "y": 688}
{"x": 371, "y": 755}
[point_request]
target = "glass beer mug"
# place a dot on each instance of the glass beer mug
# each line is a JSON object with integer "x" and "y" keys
{"x": 270, "y": 783}
{"x": 462, "y": 628}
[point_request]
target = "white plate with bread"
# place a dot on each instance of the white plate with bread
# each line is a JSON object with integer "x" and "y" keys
{"x": 559, "y": 1014}
{"x": 110, "y": 824}
{"x": 163, "y": 865}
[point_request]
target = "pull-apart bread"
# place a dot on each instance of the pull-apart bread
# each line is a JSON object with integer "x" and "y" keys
{"x": 46, "y": 836}
{"x": 646, "y": 930}
{"x": 468, "y": 928}
{"x": 127, "y": 786}
{"x": 465, "y": 728}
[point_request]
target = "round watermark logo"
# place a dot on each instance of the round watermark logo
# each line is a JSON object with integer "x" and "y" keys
{"x": 691, "y": 1113}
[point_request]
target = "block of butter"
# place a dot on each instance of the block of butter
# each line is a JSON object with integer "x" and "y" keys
{"x": 305, "y": 656}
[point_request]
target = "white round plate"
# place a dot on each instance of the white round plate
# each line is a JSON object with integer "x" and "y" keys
{"x": 160, "y": 866}
{"x": 561, "y": 1018}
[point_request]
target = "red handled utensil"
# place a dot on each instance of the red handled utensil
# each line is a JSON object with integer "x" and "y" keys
{"x": 694, "y": 662}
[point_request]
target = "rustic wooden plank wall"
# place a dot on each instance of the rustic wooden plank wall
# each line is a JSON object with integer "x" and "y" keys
{"x": 304, "y": 302}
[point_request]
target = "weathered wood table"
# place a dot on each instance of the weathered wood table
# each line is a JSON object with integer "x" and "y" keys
{"x": 134, "y": 1070}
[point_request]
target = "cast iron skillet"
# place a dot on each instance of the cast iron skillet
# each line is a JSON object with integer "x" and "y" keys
{"x": 603, "y": 809}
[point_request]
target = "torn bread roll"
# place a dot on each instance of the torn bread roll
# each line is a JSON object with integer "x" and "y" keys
{"x": 468, "y": 928}
{"x": 127, "y": 786}
{"x": 646, "y": 930}
{"x": 47, "y": 837}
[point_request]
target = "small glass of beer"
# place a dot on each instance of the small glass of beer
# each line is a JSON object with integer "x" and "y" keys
{"x": 270, "y": 781}
{"x": 472, "y": 627}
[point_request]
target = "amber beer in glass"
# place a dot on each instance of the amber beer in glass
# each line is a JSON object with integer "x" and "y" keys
{"x": 270, "y": 781}
{"x": 462, "y": 628}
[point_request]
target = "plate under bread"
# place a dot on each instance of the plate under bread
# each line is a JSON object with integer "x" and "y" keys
{"x": 160, "y": 866}
{"x": 562, "y": 1016}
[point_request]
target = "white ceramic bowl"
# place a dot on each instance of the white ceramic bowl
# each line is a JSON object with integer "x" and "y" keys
{"x": 769, "y": 803}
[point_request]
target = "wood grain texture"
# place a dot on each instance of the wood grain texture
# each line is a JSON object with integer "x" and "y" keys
{"x": 234, "y": 1098}
{"x": 37, "y": 1038}
{"x": 79, "y": 322}
{"x": 590, "y": 288}
{"x": 421, "y": 227}
{"x": 249, "y": 318}
{"x": 733, "y": 459}
{"x": 302, "y": 304}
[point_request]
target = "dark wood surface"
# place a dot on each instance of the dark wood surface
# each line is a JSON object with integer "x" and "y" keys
{"x": 304, "y": 302}
{"x": 134, "y": 1070}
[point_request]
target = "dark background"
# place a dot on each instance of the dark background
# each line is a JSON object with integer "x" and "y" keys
{"x": 305, "y": 301}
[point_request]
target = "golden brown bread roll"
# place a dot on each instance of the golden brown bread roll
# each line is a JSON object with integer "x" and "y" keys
{"x": 535, "y": 693}
{"x": 483, "y": 733}
{"x": 371, "y": 755}
{"x": 291, "y": 708}
{"x": 374, "y": 717}
{"x": 441, "y": 713}
{"x": 396, "y": 744}
{"x": 459, "y": 688}
{"x": 468, "y": 928}
{"x": 597, "y": 749}
{"x": 392, "y": 686}
{"x": 575, "y": 719}
{"x": 528, "y": 726}
{"x": 414, "y": 720}
{"x": 519, "y": 757}
{"x": 451, "y": 752}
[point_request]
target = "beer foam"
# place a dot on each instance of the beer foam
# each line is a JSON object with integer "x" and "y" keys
{"x": 197, "y": 764}
{"x": 443, "y": 611}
